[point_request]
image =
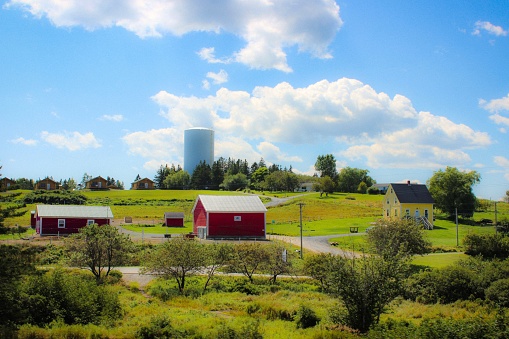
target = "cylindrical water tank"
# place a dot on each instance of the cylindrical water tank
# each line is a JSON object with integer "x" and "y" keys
{"x": 198, "y": 146}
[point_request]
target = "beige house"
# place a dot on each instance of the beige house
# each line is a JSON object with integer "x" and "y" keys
{"x": 409, "y": 201}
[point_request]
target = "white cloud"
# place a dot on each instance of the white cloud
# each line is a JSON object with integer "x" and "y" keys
{"x": 496, "y": 106}
{"x": 267, "y": 27}
{"x": 23, "y": 141}
{"x": 218, "y": 78}
{"x": 208, "y": 54}
{"x": 501, "y": 161}
{"x": 488, "y": 27}
{"x": 73, "y": 141}
{"x": 115, "y": 117}
{"x": 273, "y": 154}
{"x": 236, "y": 148}
{"x": 386, "y": 131}
{"x": 166, "y": 143}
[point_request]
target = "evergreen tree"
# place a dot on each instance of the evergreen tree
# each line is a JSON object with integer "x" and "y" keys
{"x": 161, "y": 174}
{"x": 202, "y": 176}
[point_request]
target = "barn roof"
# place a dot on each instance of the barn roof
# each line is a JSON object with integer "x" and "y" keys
{"x": 412, "y": 193}
{"x": 74, "y": 211}
{"x": 231, "y": 203}
{"x": 173, "y": 215}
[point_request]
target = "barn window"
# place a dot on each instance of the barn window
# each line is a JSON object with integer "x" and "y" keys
{"x": 90, "y": 222}
{"x": 237, "y": 218}
{"x": 61, "y": 223}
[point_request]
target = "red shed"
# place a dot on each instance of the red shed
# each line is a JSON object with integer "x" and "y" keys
{"x": 235, "y": 216}
{"x": 174, "y": 219}
{"x": 67, "y": 219}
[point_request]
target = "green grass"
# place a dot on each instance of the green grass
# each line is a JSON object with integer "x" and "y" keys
{"x": 438, "y": 260}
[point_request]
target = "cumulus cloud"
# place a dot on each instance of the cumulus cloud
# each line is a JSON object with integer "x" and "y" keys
{"x": 504, "y": 163}
{"x": 23, "y": 141}
{"x": 385, "y": 131}
{"x": 73, "y": 141}
{"x": 165, "y": 145}
{"x": 115, "y": 117}
{"x": 488, "y": 27}
{"x": 218, "y": 78}
{"x": 496, "y": 106}
{"x": 267, "y": 27}
{"x": 273, "y": 154}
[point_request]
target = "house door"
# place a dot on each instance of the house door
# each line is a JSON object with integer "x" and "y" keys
{"x": 48, "y": 186}
{"x": 426, "y": 214}
{"x": 417, "y": 213}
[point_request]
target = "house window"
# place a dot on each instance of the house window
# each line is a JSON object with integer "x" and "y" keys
{"x": 426, "y": 214}
{"x": 395, "y": 213}
{"x": 407, "y": 212}
{"x": 61, "y": 223}
{"x": 395, "y": 200}
{"x": 90, "y": 222}
{"x": 387, "y": 201}
{"x": 237, "y": 218}
{"x": 387, "y": 212}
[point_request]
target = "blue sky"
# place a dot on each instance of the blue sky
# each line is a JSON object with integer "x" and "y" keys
{"x": 401, "y": 88}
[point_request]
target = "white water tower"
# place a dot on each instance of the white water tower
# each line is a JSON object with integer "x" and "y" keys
{"x": 198, "y": 146}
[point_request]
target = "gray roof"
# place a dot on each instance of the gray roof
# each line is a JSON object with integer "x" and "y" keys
{"x": 412, "y": 193}
{"x": 174, "y": 215}
{"x": 231, "y": 203}
{"x": 74, "y": 211}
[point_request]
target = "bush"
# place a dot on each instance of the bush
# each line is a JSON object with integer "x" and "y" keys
{"x": 159, "y": 327}
{"x": 306, "y": 317}
{"x": 487, "y": 245}
{"x": 498, "y": 292}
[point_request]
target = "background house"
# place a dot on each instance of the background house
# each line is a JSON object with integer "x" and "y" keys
{"x": 143, "y": 184}
{"x": 46, "y": 184}
{"x": 174, "y": 219}
{"x": 97, "y": 183}
{"x": 6, "y": 184}
{"x": 409, "y": 201}
{"x": 68, "y": 219}
{"x": 229, "y": 217}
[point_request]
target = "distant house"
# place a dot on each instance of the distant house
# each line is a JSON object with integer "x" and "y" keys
{"x": 305, "y": 187}
{"x": 229, "y": 217}
{"x": 143, "y": 184}
{"x": 97, "y": 183}
{"x": 174, "y": 219}
{"x": 68, "y": 219}
{"x": 46, "y": 184}
{"x": 6, "y": 184}
{"x": 409, "y": 201}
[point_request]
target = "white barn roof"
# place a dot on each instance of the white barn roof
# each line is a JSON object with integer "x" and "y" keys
{"x": 74, "y": 211}
{"x": 231, "y": 203}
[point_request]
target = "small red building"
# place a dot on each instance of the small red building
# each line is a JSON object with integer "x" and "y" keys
{"x": 174, "y": 219}
{"x": 233, "y": 216}
{"x": 68, "y": 219}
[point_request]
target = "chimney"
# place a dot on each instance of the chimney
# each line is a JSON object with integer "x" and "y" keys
{"x": 408, "y": 182}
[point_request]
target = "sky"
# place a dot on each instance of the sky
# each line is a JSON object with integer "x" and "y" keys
{"x": 400, "y": 88}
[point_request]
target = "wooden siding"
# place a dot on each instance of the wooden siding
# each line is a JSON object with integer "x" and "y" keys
{"x": 175, "y": 222}
{"x": 49, "y": 226}
{"x": 226, "y": 225}
{"x": 199, "y": 217}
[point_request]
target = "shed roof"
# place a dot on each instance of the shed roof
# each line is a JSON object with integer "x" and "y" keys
{"x": 412, "y": 193}
{"x": 74, "y": 211}
{"x": 143, "y": 179}
{"x": 174, "y": 215}
{"x": 231, "y": 203}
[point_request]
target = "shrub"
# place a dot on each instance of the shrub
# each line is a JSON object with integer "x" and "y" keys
{"x": 487, "y": 245}
{"x": 498, "y": 292}
{"x": 306, "y": 317}
{"x": 159, "y": 327}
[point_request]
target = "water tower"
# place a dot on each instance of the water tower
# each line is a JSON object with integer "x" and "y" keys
{"x": 198, "y": 146}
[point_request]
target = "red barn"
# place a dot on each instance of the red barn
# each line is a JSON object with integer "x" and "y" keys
{"x": 67, "y": 219}
{"x": 174, "y": 219}
{"x": 229, "y": 217}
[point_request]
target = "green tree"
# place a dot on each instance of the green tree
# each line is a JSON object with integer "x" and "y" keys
{"x": 217, "y": 256}
{"x": 258, "y": 177}
{"x": 177, "y": 258}
{"x": 202, "y": 176}
{"x": 324, "y": 185}
{"x": 392, "y": 238}
{"x": 177, "y": 180}
{"x": 161, "y": 174}
{"x": 248, "y": 258}
{"x": 99, "y": 248}
{"x": 452, "y": 190}
{"x": 365, "y": 285}
{"x": 278, "y": 260}
{"x": 326, "y": 165}
{"x": 234, "y": 182}
{"x": 349, "y": 179}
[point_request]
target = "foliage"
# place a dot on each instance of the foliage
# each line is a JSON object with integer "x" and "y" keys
{"x": 452, "y": 189}
{"x": 487, "y": 245}
{"x": 233, "y": 182}
{"x": 177, "y": 180}
{"x": 98, "y": 248}
{"x": 283, "y": 180}
{"x": 325, "y": 185}
{"x": 177, "y": 258}
{"x": 9, "y": 208}
{"x": 390, "y": 238}
{"x": 159, "y": 327}
{"x": 217, "y": 256}
{"x": 258, "y": 177}
{"x": 318, "y": 267}
{"x": 56, "y": 197}
{"x": 279, "y": 260}
{"x": 326, "y": 165}
{"x": 67, "y": 297}
{"x": 349, "y": 179}
{"x": 202, "y": 176}
{"x": 306, "y": 317}
{"x": 161, "y": 174}
{"x": 248, "y": 258}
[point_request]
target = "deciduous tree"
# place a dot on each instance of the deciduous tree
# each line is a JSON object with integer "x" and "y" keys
{"x": 326, "y": 165}
{"x": 350, "y": 178}
{"x": 453, "y": 190}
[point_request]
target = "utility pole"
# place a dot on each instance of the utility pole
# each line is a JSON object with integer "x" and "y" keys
{"x": 496, "y": 221}
{"x": 300, "y": 205}
{"x": 457, "y": 237}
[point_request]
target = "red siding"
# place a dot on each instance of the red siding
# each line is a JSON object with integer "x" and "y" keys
{"x": 224, "y": 225}
{"x": 199, "y": 217}
{"x": 175, "y": 222}
{"x": 49, "y": 226}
